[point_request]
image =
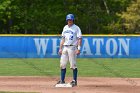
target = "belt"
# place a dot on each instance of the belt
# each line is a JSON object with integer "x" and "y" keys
{"x": 68, "y": 45}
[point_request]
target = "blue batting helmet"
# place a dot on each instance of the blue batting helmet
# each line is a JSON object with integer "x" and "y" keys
{"x": 70, "y": 17}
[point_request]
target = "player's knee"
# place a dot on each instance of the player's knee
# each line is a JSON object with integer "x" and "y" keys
{"x": 62, "y": 66}
{"x": 73, "y": 66}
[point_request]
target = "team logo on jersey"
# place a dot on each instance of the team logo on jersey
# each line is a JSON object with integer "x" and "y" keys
{"x": 69, "y": 31}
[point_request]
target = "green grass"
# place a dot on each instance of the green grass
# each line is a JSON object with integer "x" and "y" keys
{"x": 86, "y": 67}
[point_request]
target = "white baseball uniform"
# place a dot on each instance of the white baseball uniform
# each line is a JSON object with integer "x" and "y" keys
{"x": 71, "y": 35}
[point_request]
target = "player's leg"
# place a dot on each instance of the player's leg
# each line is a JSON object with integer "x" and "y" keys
{"x": 75, "y": 74}
{"x": 63, "y": 63}
{"x": 73, "y": 65}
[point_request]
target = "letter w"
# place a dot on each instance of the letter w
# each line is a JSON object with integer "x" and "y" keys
{"x": 41, "y": 43}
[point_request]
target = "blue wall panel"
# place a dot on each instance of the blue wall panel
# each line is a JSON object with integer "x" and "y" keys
{"x": 47, "y": 47}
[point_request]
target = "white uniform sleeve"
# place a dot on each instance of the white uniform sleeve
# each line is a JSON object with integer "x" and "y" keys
{"x": 79, "y": 33}
{"x": 62, "y": 35}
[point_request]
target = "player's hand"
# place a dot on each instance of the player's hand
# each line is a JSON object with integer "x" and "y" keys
{"x": 60, "y": 52}
{"x": 77, "y": 52}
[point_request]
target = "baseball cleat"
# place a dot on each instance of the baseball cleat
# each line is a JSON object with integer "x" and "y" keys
{"x": 73, "y": 83}
{"x": 61, "y": 82}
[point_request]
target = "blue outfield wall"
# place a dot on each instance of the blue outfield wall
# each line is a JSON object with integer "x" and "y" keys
{"x": 47, "y": 47}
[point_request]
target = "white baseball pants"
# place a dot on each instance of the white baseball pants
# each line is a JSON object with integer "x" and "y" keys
{"x": 68, "y": 55}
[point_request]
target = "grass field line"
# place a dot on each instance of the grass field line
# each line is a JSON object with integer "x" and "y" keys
{"x": 86, "y": 67}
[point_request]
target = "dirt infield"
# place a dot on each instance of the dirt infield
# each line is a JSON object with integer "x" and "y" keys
{"x": 85, "y": 85}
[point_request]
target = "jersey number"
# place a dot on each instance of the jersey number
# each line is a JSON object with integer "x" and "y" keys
{"x": 71, "y": 38}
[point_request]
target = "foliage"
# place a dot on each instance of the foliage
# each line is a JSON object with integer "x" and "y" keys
{"x": 131, "y": 18}
{"x": 48, "y": 16}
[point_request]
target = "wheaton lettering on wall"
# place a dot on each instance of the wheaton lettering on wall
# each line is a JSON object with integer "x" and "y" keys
{"x": 47, "y": 47}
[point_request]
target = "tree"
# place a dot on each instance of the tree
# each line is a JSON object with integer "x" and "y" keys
{"x": 5, "y": 16}
{"x": 132, "y": 18}
{"x": 48, "y": 16}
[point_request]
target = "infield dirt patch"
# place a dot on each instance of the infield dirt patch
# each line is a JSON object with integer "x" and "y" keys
{"x": 85, "y": 85}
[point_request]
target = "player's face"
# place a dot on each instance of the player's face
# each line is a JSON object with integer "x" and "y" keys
{"x": 70, "y": 22}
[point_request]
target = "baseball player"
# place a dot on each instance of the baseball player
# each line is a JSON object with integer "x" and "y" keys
{"x": 69, "y": 48}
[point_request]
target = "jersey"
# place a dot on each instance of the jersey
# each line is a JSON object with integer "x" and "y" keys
{"x": 71, "y": 35}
